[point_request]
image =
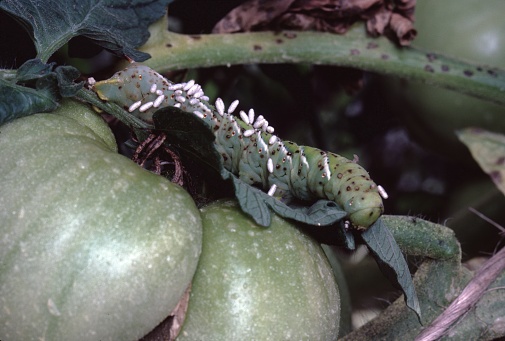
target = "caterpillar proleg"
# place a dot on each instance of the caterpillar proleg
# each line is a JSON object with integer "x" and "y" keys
{"x": 248, "y": 147}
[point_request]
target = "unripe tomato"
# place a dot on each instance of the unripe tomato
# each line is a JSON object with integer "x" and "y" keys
{"x": 257, "y": 283}
{"x": 92, "y": 247}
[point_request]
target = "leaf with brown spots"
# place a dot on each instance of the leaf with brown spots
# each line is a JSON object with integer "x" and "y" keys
{"x": 488, "y": 149}
{"x": 335, "y": 16}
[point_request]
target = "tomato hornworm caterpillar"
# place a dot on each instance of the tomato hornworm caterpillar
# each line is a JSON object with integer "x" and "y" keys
{"x": 249, "y": 148}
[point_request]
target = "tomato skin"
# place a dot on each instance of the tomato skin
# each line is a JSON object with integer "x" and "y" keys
{"x": 92, "y": 247}
{"x": 256, "y": 283}
{"x": 469, "y": 30}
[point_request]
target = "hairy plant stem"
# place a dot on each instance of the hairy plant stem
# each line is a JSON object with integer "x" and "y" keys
{"x": 355, "y": 49}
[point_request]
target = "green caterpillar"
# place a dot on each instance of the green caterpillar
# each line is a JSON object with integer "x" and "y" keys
{"x": 249, "y": 148}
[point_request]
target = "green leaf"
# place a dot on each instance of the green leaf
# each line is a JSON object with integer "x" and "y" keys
{"x": 190, "y": 133}
{"x": 65, "y": 76}
{"x": 33, "y": 69}
{"x": 250, "y": 200}
{"x": 488, "y": 149}
{"x": 257, "y": 204}
{"x": 36, "y": 88}
{"x": 389, "y": 257}
{"x": 18, "y": 101}
{"x": 117, "y": 25}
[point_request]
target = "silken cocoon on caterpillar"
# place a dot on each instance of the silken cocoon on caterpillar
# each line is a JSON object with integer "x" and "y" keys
{"x": 249, "y": 148}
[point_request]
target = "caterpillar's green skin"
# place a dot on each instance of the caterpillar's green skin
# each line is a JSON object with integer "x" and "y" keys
{"x": 302, "y": 172}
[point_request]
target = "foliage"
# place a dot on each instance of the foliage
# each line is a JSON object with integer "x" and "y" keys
{"x": 115, "y": 25}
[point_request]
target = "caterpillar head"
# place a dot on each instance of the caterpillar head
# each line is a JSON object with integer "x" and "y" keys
{"x": 132, "y": 88}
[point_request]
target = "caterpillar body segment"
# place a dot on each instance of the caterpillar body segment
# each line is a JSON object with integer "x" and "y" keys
{"x": 248, "y": 147}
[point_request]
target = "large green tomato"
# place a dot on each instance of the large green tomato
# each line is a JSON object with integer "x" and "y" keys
{"x": 470, "y": 30}
{"x": 92, "y": 247}
{"x": 256, "y": 283}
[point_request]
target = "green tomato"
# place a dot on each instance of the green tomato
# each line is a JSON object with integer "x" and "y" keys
{"x": 470, "y": 30}
{"x": 92, "y": 247}
{"x": 256, "y": 283}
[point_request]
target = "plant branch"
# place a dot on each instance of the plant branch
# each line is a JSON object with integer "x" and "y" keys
{"x": 355, "y": 49}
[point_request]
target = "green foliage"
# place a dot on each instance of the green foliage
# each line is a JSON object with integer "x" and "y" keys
{"x": 388, "y": 255}
{"x": 115, "y": 25}
{"x": 37, "y": 87}
{"x": 488, "y": 149}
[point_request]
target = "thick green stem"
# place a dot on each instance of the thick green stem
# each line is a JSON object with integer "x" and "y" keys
{"x": 355, "y": 49}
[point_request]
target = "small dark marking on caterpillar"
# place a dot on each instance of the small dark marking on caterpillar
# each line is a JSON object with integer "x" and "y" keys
{"x": 248, "y": 147}
{"x": 468, "y": 73}
{"x": 431, "y": 57}
{"x": 492, "y": 73}
{"x": 429, "y": 68}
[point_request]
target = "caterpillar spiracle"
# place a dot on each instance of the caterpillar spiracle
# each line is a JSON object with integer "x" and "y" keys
{"x": 249, "y": 148}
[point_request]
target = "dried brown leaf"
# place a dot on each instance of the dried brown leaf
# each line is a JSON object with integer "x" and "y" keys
{"x": 171, "y": 326}
{"x": 251, "y": 15}
{"x": 378, "y": 22}
{"x": 403, "y": 28}
{"x": 335, "y": 16}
